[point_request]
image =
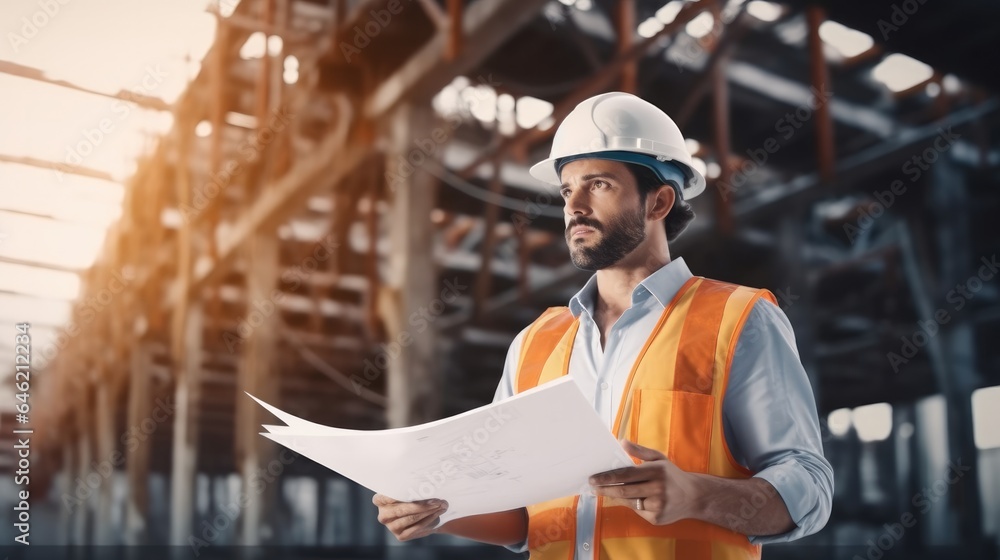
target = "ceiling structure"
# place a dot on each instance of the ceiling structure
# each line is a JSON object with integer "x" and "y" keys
{"x": 295, "y": 147}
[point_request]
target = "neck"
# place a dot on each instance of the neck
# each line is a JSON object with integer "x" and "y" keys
{"x": 615, "y": 283}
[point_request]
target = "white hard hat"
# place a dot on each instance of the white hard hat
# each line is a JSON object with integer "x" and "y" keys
{"x": 620, "y": 122}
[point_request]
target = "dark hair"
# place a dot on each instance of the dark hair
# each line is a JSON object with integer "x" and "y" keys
{"x": 679, "y": 216}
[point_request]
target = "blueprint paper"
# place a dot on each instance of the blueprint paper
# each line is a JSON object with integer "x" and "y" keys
{"x": 538, "y": 445}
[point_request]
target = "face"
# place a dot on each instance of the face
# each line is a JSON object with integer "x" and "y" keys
{"x": 604, "y": 214}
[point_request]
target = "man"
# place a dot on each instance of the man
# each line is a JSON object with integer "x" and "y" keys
{"x": 700, "y": 379}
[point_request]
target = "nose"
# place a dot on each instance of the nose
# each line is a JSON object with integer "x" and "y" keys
{"x": 577, "y": 203}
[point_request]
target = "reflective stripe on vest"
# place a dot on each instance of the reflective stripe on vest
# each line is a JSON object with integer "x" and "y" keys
{"x": 673, "y": 403}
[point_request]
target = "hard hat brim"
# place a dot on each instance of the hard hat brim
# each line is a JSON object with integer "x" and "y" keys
{"x": 545, "y": 171}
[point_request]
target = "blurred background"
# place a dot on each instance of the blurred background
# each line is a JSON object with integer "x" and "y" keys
{"x": 326, "y": 203}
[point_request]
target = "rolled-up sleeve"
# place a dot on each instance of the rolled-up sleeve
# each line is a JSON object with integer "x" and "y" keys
{"x": 771, "y": 422}
{"x": 505, "y": 389}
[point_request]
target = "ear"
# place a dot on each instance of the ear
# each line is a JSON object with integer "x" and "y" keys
{"x": 663, "y": 201}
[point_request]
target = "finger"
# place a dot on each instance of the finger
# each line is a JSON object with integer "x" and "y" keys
{"x": 629, "y": 491}
{"x": 647, "y": 512}
{"x": 402, "y": 523}
{"x": 653, "y": 503}
{"x": 637, "y": 473}
{"x": 383, "y": 500}
{"x": 624, "y": 502}
{"x": 641, "y": 451}
{"x": 421, "y": 529}
{"x": 649, "y": 506}
{"x": 392, "y": 512}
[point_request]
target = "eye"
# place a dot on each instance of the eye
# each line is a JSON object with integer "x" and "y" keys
{"x": 564, "y": 192}
{"x": 599, "y": 184}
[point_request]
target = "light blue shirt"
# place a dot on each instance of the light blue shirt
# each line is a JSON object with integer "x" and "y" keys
{"x": 770, "y": 420}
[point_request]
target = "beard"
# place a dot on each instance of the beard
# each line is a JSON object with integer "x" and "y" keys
{"x": 618, "y": 238}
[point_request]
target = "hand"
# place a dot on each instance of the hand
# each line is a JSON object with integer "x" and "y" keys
{"x": 667, "y": 492}
{"x": 409, "y": 520}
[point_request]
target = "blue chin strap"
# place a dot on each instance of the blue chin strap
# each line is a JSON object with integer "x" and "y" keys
{"x": 667, "y": 171}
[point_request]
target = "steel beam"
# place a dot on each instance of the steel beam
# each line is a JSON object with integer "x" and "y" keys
{"x": 137, "y": 465}
{"x": 413, "y": 377}
{"x": 491, "y": 22}
{"x": 58, "y": 167}
{"x": 625, "y": 22}
{"x": 520, "y": 142}
{"x": 257, "y": 376}
{"x": 820, "y": 79}
{"x": 28, "y": 73}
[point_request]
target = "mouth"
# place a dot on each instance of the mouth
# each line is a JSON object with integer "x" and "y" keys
{"x": 581, "y": 231}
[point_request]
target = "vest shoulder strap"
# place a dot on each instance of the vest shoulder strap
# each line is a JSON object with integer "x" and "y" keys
{"x": 540, "y": 341}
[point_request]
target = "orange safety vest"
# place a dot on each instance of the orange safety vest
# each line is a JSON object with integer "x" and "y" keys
{"x": 672, "y": 403}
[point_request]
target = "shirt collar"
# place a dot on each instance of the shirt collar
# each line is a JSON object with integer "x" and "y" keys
{"x": 663, "y": 284}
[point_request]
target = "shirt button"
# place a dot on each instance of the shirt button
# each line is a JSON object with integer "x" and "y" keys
{"x": 586, "y": 546}
{"x": 604, "y": 386}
